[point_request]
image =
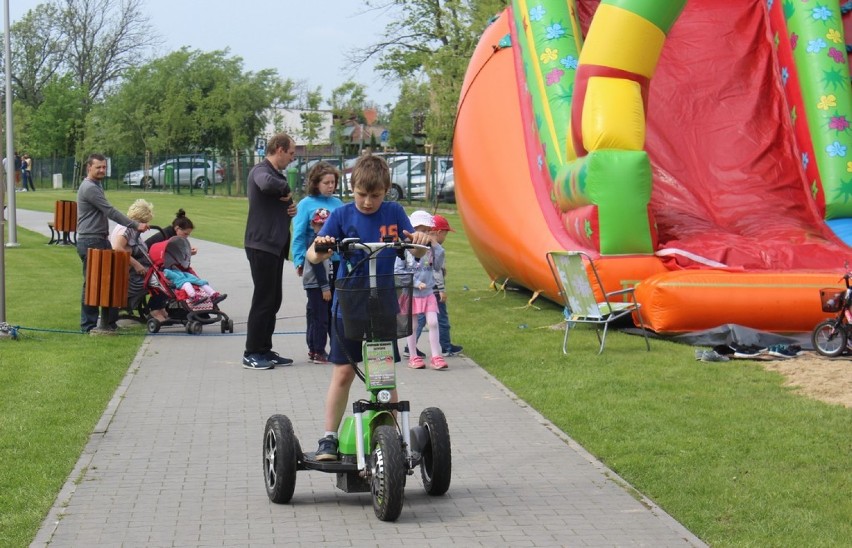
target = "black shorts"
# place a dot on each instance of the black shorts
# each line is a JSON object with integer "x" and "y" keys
{"x": 340, "y": 346}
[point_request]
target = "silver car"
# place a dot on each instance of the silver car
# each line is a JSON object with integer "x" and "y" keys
{"x": 185, "y": 171}
{"x": 408, "y": 176}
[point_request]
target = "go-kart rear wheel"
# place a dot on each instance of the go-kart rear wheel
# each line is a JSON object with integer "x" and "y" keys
{"x": 387, "y": 479}
{"x": 829, "y": 338}
{"x": 436, "y": 464}
{"x": 280, "y": 459}
{"x": 153, "y": 325}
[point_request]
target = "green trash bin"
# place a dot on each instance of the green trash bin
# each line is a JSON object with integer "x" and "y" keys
{"x": 169, "y": 175}
{"x": 293, "y": 181}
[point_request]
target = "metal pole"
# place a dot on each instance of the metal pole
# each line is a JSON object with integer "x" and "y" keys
{"x": 10, "y": 141}
{"x": 2, "y": 200}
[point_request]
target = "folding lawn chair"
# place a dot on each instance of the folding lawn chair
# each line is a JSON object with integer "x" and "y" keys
{"x": 577, "y": 289}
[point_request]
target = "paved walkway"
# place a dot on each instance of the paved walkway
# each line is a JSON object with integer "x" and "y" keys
{"x": 176, "y": 458}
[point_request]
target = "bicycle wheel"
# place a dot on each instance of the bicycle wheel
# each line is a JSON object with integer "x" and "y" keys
{"x": 829, "y": 338}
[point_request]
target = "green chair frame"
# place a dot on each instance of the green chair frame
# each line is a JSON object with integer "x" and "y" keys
{"x": 577, "y": 288}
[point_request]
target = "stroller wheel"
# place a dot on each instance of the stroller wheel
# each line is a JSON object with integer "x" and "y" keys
{"x": 228, "y": 326}
{"x": 196, "y": 328}
{"x": 153, "y": 325}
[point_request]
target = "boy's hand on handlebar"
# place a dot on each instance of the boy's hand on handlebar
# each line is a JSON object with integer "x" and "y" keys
{"x": 415, "y": 237}
{"x": 323, "y": 247}
{"x": 420, "y": 238}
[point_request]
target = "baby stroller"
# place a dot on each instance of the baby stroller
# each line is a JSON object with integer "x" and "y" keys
{"x": 193, "y": 315}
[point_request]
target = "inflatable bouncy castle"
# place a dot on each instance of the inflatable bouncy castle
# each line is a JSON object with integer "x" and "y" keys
{"x": 700, "y": 151}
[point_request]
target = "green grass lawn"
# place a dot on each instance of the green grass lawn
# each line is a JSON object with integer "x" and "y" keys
{"x": 738, "y": 458}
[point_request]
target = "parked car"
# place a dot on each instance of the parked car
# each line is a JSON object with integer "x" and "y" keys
{"x": 306, "y": 166}
{"x": 447, "y": 189}
{"x": 408, "y": 176}
{"x": 187, "y": 170}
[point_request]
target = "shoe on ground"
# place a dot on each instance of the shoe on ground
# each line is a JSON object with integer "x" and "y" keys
{"x": 257, "y": 361}
{"x": 319, "y": 357}
{"x": 407, "y": 354}
{"x": 713, "y": 356}
{"x": 327, "y": 449}
{"x": 276, "y": 359}
{"x": 103, "y": 331}
{"x": 416, "y": 362}
{"x": 453, "y": 350}
{"x": 438, "y": 362}
{"x": 783, "y": 351}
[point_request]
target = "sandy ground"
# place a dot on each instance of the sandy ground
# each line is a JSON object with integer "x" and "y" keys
{"x": 818, "y": 377}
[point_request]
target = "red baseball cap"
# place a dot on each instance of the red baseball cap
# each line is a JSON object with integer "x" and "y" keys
{"x": 441, "y": 223}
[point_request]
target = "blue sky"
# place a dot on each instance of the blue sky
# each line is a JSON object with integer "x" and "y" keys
{"x": 302, "y": 39}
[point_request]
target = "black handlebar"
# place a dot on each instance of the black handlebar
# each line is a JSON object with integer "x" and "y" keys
{"x": 347, "y": 244}
{"x": 323, "y": 248}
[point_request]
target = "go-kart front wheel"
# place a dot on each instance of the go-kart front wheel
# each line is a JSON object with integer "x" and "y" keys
{"x": 436, "y": 463}
{"x": 387, "y": 480}
{"x": 829, "y": 338}
{"x": 280, "y": 459}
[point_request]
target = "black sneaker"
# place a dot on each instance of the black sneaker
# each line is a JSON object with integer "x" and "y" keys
{"x": 453, "y": 350}
{"x": 407, "y": 354}
{"x": 784, "y": 350}
{"x": 327, "y": 449}
{"x": 257, "y": 361}
{"x": 276, "y": 359}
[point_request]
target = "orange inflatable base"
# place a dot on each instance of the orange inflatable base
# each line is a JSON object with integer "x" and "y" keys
{"x": 694, "y": 300}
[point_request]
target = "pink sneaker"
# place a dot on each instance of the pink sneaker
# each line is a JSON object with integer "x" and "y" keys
{"x": 438, "y": 362}
{"x": 416, "y": 362}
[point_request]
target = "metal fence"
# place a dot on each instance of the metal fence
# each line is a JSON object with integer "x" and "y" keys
{"x": 414, "y": 177}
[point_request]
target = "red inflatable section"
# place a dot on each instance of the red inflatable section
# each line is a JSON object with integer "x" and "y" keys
{"x": 729, "y": 192}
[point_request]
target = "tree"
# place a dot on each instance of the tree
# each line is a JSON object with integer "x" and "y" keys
{"x": 188, "y": 101}
{"x": 408, "y": 118}
{"x": 49, "y": 129}
{"x": 38, "y": 47}
{"x": 83, "y": 45}
{"x": 104, "y": 39}
{"x": 312, "y": 118}
{"x": 347, "y": 106}
{"x": 433, "y": 39}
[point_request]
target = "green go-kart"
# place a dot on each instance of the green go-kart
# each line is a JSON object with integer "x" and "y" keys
{"x": 378, "y": 448}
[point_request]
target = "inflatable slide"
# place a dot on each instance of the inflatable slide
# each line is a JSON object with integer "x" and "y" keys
{"x": 698, "y": 149}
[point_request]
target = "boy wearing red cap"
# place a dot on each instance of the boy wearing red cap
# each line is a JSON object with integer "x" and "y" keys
{"x": 439, "y": 233}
